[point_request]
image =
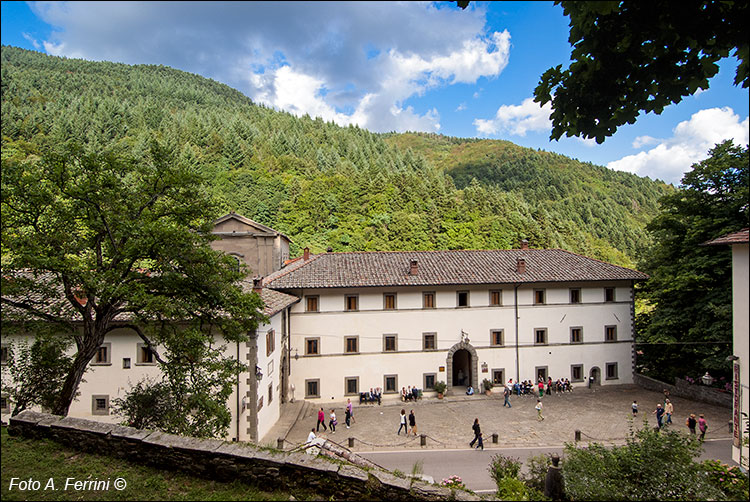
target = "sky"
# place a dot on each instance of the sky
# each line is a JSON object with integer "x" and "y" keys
{"x": 385, "y": 66}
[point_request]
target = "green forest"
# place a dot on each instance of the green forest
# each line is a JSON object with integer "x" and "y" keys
{"x": 322, "y": 184}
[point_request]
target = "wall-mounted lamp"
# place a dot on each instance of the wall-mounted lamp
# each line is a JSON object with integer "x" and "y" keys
{"x": 707, "y": 379}
{"x": 258, "y": 373}
{"x": 732, "y": 358}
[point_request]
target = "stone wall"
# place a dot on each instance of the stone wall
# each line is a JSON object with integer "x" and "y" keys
{"x": 223, "y": 461}
{"x": 684, "y": 389}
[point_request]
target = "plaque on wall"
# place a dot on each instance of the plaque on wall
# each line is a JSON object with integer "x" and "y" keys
{"x": 484, "y": 368}
{"x": 441, "y": 369}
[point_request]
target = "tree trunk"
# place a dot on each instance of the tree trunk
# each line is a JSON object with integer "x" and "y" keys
{"x": 73, "y": 380}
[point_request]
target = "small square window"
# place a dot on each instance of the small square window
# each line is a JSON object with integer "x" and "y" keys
{"x": 389, "y": 301}
{"x": 609, "y": 294}
{"x": 390, "y": 384}
{"x": 312, "y": 388}
{"x": 311, "y": 303}
{"x": 126, "y": 362}
{"x": 311, "y": 346}
{"x": 612, "y": 371}
{"x": 352, "y": 302}
{"x": 429, "y": 380}
{"x": 462, "y": 299}
{"x": 576, "y": 373}
{"x": 103, "y": 354}
{"x": 270, "y": 342}
{"x": 498, "y": 376}
{"x": 351, "y": 386}
{"x": 496, "y": 298}
{"x": 540, "y": 336}
{"x": 539, "y": 297}
{"x": 497, "y": 338}
{"x": 428, "y": 300}
{"x": 429, "y": 341}
{"x": 576, "y": 335}
{"x": 575, "y": 295}
{"x": 351, "y": 345}
{"x": 145, "y": 355}
{"x": 389, "y": 343}
{"x": 610, "y": 333}
{"x": 100, "y": 405}
{"x": 260, "y": 403}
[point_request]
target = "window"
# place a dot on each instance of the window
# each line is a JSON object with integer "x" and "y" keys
{"x": 126, "y": 363}
{"x": 270, "y": 369}
{"x": 611, "y": 371}
{"x": 609, "y": 294}
{"x": 498, "y": 376}
{"x": 4, "y": 354}
{"x": 260, "y": 403}
{"x": 429, "y": 341}
{"x": 539, "y": 296}
{"x": 576, "y": 372}
{"x": 496, "y": 298}
{"x": 351, "y": 302}
{"x": 311, "y": 346}
{"x": 270, "y": 342}
{"x": 429, "y": 380}
{"x": 145, "y": 356}
{"x": 575, "y": 295}
{"x": 311, "y": 303}
{"x": 540, "y": 336}
{"x": 390, "y": 384}
{"x": 462, "y": 299}
{"x": 100, "y": 405}
{"x": 351, "y": 386}
{"x": 541, "y": 372}
{"x": 389, "y": 343}
{"x": 610, "y": 333}
{"x": 576, "y": 335}
{"x": 103, "y": 354}
{"x": 270, "y": 393}
{"x": 351, "y": 345}
{"x": 497, "y": 338}
{"x": 389, "y": 301}
{"x": 312, "y": 388}
{"x": 428, "y": 300}
{"x": 4, "y": 404}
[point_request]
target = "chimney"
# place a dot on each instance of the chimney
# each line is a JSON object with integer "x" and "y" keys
{"x": 257, "y": 285}
{"x": 306, "y": 254}
{"x": 413, "y": 267}
{"x": 521, "y": 265}
{"x": 524, "y": 244}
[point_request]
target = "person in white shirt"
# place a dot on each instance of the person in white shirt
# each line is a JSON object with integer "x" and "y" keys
{"x": 311, "y": 436}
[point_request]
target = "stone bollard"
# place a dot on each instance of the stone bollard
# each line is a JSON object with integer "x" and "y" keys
{"x": 351, "y": 442}
{"x": 280, "y": 443}
{"x": 578, "y": 435}
{"x": 494, "y": 437}
{"x": 422, "y": 440}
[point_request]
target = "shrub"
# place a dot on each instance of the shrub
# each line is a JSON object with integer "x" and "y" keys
{"x": 729, "y": 480}
{"x": 504, "y": 467}
{"x": 537, "y": 475}
{"x": 487, "y": 385}
{"x": 511, "y": 489}
{"x": 440, "y": 387}
{"x": 453, "y": 482}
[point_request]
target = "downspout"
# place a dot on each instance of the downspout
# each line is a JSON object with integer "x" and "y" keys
{"x": 515, "y": 306}
{"x": 238, "y": 393}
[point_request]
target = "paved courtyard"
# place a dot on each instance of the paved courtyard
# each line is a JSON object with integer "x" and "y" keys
{"x": 603, "y": 415}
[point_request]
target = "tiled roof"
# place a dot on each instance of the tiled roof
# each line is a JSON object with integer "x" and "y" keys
{"x": 276, "y": 301}
{"x": 340, "y": 270}
{"x": 740, "y": 237}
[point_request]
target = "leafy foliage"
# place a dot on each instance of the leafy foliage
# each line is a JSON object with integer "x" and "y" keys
{"x": 636, "y": 56}
{"x": 688, "y": 329}
{"x": 730, "y": 480}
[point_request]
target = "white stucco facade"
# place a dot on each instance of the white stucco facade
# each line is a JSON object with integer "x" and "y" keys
{"x": 741, "y": 339}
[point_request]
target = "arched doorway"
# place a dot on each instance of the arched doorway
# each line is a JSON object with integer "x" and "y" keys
{"x": 461, "y": 366}
{"x": 595, "y": 376}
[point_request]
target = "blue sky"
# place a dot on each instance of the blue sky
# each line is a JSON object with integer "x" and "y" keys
{"x": 386, "y": 66}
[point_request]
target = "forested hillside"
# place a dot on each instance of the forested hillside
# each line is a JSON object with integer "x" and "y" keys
{"x": 321, "y": 184}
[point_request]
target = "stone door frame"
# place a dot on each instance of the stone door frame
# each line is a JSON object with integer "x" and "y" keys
{"x": 473, "y": 364}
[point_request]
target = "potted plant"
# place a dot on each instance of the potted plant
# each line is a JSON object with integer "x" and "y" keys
{"x": 440, "y": 389}
{"x": 487, "y": 385}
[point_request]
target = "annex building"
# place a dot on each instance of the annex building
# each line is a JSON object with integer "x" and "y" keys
{"x": 345, "y": 323}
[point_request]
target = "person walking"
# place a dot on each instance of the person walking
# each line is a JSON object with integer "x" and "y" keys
{"x": 538, "y": 409}
{"x": 403, "y": 423}
{"x": 412, "y": 423}
{"x": 321, "y": 420}
{"x": 635, "y": 408}
{"x": 541, "y": 387}
{"x": 477, "y": 432}
{"x": 691, "y": 422}
{"x": 349, "y": 413}
{"x": 332, "y": 423}
{"x": 668, "y": 410}
{"x": 506, "y": 395}
{"x": 659, "y": 412}
{"x": 703, "y": 426}
{"x": 480, "y": 444}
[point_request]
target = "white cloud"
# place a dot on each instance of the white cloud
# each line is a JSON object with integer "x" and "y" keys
{"x": 31, "y": 39}
{"x": 320, "y": 58}
{"x": 671, "y": 158}
{"x": 461, "y": 107}
{"x": 517, "y": 119}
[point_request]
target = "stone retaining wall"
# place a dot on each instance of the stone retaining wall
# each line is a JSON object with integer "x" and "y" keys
{"x": 684, "y": 389}
{"x": 220, "y": 460}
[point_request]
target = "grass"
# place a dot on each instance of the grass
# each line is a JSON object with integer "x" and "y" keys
{"x": 42, "y": 460}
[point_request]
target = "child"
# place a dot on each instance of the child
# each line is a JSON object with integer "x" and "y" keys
{"x": 538, "y": 409}
{"x": 480, "y": 444}
{"x": 635, "y": 408}
{"x": 333, "y": 422}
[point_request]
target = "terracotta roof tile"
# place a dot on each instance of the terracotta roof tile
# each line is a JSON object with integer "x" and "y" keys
{"x": 740, "y": 237}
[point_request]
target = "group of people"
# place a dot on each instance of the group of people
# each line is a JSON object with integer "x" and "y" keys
{"x": 529, "y": 388}
{"x": 664, "y": 417}
{"x": 373, "y": 396}
{"x": 332, "y": 421}
{"x": 410, "y": 394}
{"x": 408, "y": 424}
